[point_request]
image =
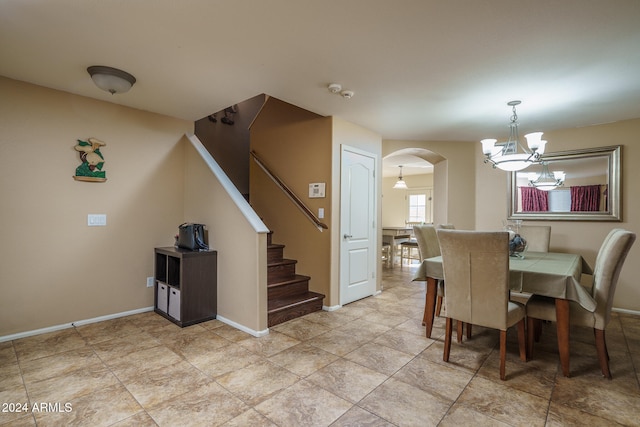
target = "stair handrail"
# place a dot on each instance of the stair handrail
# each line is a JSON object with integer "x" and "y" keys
{"x": 295, "y": 199}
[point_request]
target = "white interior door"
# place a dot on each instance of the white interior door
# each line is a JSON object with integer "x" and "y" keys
{"x": 357, "y": 225}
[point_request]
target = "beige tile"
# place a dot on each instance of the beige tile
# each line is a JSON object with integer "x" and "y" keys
{"x": 331, "y": 319}
{"x": 47, "y": 344}
{"x": 19, "y": 413}
{"x": 537, "y": 376}
{"x": 347, "y": 380}
{"x": 212, "y": 324}
{"x": 303, "y": 404}
{"x": 109, "y": 329}
{"x": 257, "y": 382}
{"x": 59, "y": 364}
{"x": 338, "y": 342}
{"x": 303, "y": 359}
{"x": 406, "y": 342}
{"x": 159, "y": 385}
{"x": 359, "y": 417}
{"x": 103, "y": 407}
{"x": 231, "y": 333}
{"x": 209, "y": 405}
{"x": 601, "y": 398}
{"x": 250, "y": 418}
{"x": 561, "y": 416}
{"x": 148, "y": 321}
{"x": 141, "y": 419}
{"x": 137, "y": 362}
{"x": 73, "y": 384}
{"x": 300, "y": 329}
{"x": 269, "y": 345}
{"x": 198, "y": 344}
{"x": 379, "y": 358}
{"x": 364, "y": 330}
{"x": 10, "y": 376}
{"x": 440, "y": 380}
{"x": 7, "y": 353}
{"x": 496, "y": 400}
{"x": 121, "y": 346}
{"x": 221, "y": 361}
{"x": 460, "y": 415}
{"x": 405, "y": 405}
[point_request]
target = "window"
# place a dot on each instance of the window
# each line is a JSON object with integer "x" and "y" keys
{"x": 419, "y": 205}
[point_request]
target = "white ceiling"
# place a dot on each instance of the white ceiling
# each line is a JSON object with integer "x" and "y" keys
{"x": 420, "y": 69}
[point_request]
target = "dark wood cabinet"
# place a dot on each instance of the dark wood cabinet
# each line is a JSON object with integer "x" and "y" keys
{"x": 186, "y": 285}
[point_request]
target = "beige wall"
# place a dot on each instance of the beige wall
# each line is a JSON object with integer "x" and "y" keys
{"x": 582, "y": 237}
{"x": 296, "y": 145}
{"x": 242, "y": 253}
{"x": 54, "y": 268}
{"x": 394, "y": 201}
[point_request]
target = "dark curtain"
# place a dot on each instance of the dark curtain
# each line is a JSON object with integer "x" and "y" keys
{"x": 534, "y": 200}
{"x": 585, "y": 198}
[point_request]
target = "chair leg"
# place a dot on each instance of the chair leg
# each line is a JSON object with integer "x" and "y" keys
{"x": 460, "y": 326}
{"x": 468, "y": 331}
{"x": 603, "y": 357}
{"x": 447, "y": 339}
{"x": 522, "y": 342}
{"x": 503, "y": 354}
{"x": 530, "y": 336}
{"x": 438, "y": 306}
{"x": 537, "y": 329}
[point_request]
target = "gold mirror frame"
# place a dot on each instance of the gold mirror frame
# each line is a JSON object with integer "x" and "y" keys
{"x": 567, "y": 160}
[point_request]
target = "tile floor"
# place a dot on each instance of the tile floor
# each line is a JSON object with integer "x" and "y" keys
{"x": 368, "y": 363}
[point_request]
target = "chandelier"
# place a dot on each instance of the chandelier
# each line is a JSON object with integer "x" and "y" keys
{"x": 546, "y": 181}
{"x": 400, "y": 183}
{"x": 507, "y": 156}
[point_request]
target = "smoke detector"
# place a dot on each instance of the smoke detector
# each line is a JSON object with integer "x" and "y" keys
{"x": 334, "y": 88}
{"x": 347, "y": 94}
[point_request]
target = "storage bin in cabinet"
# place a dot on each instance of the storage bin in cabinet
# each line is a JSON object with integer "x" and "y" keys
{"x": 163, "y": 297}
{"x": 174, "y": 303}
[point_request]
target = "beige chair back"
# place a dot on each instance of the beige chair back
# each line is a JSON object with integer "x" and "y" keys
{"x": 427, "y": 240}
{"x": 476, "y": 273}
{"x": 536, "y": 236}
{"x": 611, "y": 257}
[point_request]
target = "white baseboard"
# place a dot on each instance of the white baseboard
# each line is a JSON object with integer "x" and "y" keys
{"x": 331, "y": 308}
{"x": 625, "y": 311}
{"x": 72, "y": 324}
{"x": 243, "y": 328}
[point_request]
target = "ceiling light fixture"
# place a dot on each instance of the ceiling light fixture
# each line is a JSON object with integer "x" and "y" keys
{"x": 506, "y": 155}
{"x": 400, "y": 184}
{"x": 547, "y": 181}
{"x": 111, "y": 79}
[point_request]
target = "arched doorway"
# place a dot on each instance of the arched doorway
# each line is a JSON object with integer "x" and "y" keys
{"x": 424, "y": 200}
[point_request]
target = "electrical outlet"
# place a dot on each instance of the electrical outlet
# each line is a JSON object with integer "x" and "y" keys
{"x": 150, "y": 281}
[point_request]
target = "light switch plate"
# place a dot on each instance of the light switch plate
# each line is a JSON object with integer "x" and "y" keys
{"x": 97, "y": 220}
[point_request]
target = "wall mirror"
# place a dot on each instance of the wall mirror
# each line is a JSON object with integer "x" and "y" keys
{"x": 590, "y": 192}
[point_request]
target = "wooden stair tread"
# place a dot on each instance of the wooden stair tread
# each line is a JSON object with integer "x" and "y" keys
{"x": 284, "y": 261}
{"x": 293, "y": 279}
{"x": 292, "y": 301}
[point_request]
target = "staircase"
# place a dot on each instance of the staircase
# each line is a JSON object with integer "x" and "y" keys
{"x": 288, "y": 293}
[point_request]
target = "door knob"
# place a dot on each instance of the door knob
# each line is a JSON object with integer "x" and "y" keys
{"x": 347, "y": 236}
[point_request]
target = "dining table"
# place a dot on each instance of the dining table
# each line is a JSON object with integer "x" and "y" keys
{"x": 552, "y": 274}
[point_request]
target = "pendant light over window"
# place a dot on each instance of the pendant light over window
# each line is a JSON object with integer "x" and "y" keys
{"x": 400, "y": 184}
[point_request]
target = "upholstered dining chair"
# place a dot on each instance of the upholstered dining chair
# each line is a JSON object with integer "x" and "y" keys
{"x": 476, "y": 273}
{"x": 536, "y": 236}
{"x": 428, "y": 247}
{"x": 609, "y": 261}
